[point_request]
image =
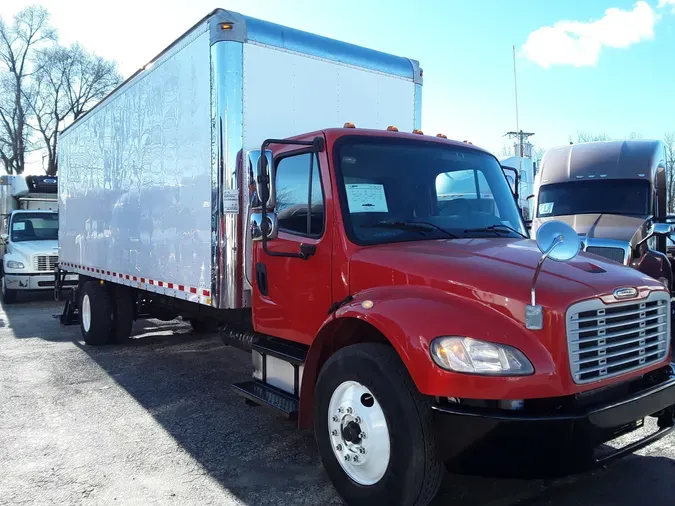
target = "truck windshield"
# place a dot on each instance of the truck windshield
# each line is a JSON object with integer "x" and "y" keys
{"x": 35, "y": 227}
{"x": 405, "y": 190}
{"x": 609, "y": 196}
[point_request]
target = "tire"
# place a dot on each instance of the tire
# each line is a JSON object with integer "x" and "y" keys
{"x": 96, "y": 314}
{"x": 124, "y": 308}
{"x": 403, "y": 468}
{"x": 204, "y": 326}
{"x": 8, "y": 296}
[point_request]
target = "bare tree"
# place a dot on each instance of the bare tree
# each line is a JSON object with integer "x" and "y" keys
{"x": 89, "y": 78}
{"x": 589, "y": 137}
{"x": 68, "y": 81}
{"x": 634, "y": 136}
{"x": 18, "y": 42}
{"x": 669, "y": 143}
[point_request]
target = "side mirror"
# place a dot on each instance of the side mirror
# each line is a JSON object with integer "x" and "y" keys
{"x": 557, "y": 241}
{"x": 258, "y": 228}
{"x": 4, "y": 238}
{"x": 663, "y": 229}
{"x": 262, "y": 170}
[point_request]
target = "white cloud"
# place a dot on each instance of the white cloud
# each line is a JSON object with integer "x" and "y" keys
{"x": 580, "y": 43}
{"x": 665, "y": 3}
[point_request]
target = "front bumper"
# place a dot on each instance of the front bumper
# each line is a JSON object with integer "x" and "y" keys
{"x": 554, "y": 436}
{"x": 35, "y": 281}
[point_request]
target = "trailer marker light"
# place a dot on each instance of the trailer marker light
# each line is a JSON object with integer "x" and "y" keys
{"x": 226, "y": 26}
{"x": 392, "y": 128}
{"x": 367, "y": 304}
{"x": 349, "y": 125}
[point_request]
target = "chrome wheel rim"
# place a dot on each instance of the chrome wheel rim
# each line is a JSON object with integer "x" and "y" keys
{"x": 86, "y": 313}
{"x": 358, "y": 433}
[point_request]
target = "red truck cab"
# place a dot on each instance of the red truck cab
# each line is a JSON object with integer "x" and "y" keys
{"x": 396, "y": 323}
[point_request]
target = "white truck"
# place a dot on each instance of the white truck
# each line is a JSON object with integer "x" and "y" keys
{"x": 28, "y": 234}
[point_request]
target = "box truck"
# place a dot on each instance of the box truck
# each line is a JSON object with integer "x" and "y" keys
{"x": 260, "y": 179}
{"x": 28, "y": 234}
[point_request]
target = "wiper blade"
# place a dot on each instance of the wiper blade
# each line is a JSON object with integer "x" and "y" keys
{"x": 413, "y": 226}
{"x": 497, "y": 228}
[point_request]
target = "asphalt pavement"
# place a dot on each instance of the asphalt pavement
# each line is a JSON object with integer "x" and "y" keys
{"x": 155, "y": 422}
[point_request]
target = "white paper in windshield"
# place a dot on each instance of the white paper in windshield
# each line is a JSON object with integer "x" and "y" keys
{"x": 366, "y": 198}
{"x": 546, "y": 208}
{"x": 19, "y": 226}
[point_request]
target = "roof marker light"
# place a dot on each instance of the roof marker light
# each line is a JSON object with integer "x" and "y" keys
{"x": 226, "y": 26}
{"x": 468, "y": 142}
{"x": 418, "y": 132}
{"x": 349, "y": 125}
{"x": 442, "y": 136}
{"x": 392, "y": 128}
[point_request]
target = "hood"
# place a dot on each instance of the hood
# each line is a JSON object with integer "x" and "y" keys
{"x": 29, "y": 248}
{"x": 631, "y": 229}
{"x": 494, "y": 271}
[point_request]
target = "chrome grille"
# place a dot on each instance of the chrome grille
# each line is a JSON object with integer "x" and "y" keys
{"x": 607, "y": 340}
{"x": 45, "y": 262}
{"x": 615, "y": 254}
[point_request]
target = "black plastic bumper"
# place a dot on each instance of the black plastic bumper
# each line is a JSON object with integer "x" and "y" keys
{"x": 485, "y": 441}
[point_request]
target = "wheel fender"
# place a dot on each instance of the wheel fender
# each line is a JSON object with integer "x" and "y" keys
{"x": 410, "y": 318}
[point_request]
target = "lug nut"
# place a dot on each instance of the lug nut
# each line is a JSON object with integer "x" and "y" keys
{"x": 338, "y": 448}
{"x": 341, "y": 409}
{"x": 358, "y": 419}
{"x": 336, "y": 418}
{"x": 349, "y": 411}
{"x": 348, "y": 458}
{"x": 362, "y": 451}
{"x": 363, "y": 435}
{"x": 356, "y": 458}
{"x": 334, "y": 432}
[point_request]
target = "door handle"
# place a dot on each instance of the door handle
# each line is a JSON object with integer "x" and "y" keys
{"x": 261, "y": 278}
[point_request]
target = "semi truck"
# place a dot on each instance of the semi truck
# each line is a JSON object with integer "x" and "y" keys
{"x": 275, "y": 185}
{"x": 28, "y": 235}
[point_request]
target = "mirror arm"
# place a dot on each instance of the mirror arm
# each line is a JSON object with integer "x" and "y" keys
{"x": 555, "y": 243}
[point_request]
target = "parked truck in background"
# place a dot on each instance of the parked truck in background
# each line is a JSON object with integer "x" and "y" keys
{"x": 28, "y": 234}
{"x": 408, "y": 330}
{"x": 615, "y": 195}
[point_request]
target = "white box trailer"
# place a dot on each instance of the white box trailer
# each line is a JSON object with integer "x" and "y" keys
{"x": 150, "y": 179}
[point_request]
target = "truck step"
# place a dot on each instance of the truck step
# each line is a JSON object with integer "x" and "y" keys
{"x": 266, "y": 395}
{"x": 289, "y": 352}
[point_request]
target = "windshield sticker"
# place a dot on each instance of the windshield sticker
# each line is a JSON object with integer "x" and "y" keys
{"x": 18, "y": 226}
{"x": 366, "y": 198}
{"x": 546, "y": 208}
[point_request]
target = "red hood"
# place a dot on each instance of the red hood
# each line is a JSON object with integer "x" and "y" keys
{"x": 493, "y": 271}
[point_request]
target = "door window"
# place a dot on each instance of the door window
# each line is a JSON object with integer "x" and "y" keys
{"x": 300, "y": 203}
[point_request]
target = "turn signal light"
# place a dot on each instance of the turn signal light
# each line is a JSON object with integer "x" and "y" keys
{"x": 442, "y": 136}
{"x": 349, "y": 125}
{"x": 392, "y": 128}
{"x": 418, "y": 132}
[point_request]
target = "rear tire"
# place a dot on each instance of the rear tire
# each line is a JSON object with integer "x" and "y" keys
{"x": 8, "y": 296}
{"x": 96, "y": 314}
{"x": 124, "y": 306}
{"x": 396, "y": 463}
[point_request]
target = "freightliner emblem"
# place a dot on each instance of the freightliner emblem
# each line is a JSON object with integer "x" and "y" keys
{"x": 625, "y": 293}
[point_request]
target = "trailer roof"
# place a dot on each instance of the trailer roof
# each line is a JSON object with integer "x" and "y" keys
{"x": 225, "y": 25}
{"x": 623, "y": 159}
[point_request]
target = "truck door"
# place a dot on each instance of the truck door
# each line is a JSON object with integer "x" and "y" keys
{"x": 291, "y": 296}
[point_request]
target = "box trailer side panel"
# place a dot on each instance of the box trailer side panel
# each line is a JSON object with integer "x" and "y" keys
{"x": 135, "y": 178}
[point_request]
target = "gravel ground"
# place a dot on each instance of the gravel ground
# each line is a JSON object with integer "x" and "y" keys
{"x": 155, "y": 422}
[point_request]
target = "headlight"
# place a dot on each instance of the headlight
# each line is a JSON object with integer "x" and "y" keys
{"x": 464, "y": 354}
{"x": 11, "y": 264}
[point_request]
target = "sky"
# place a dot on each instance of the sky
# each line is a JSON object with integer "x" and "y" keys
{"x": 598, "y": 66}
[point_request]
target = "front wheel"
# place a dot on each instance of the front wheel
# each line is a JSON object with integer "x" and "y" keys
{"x": 373, "y": 429}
